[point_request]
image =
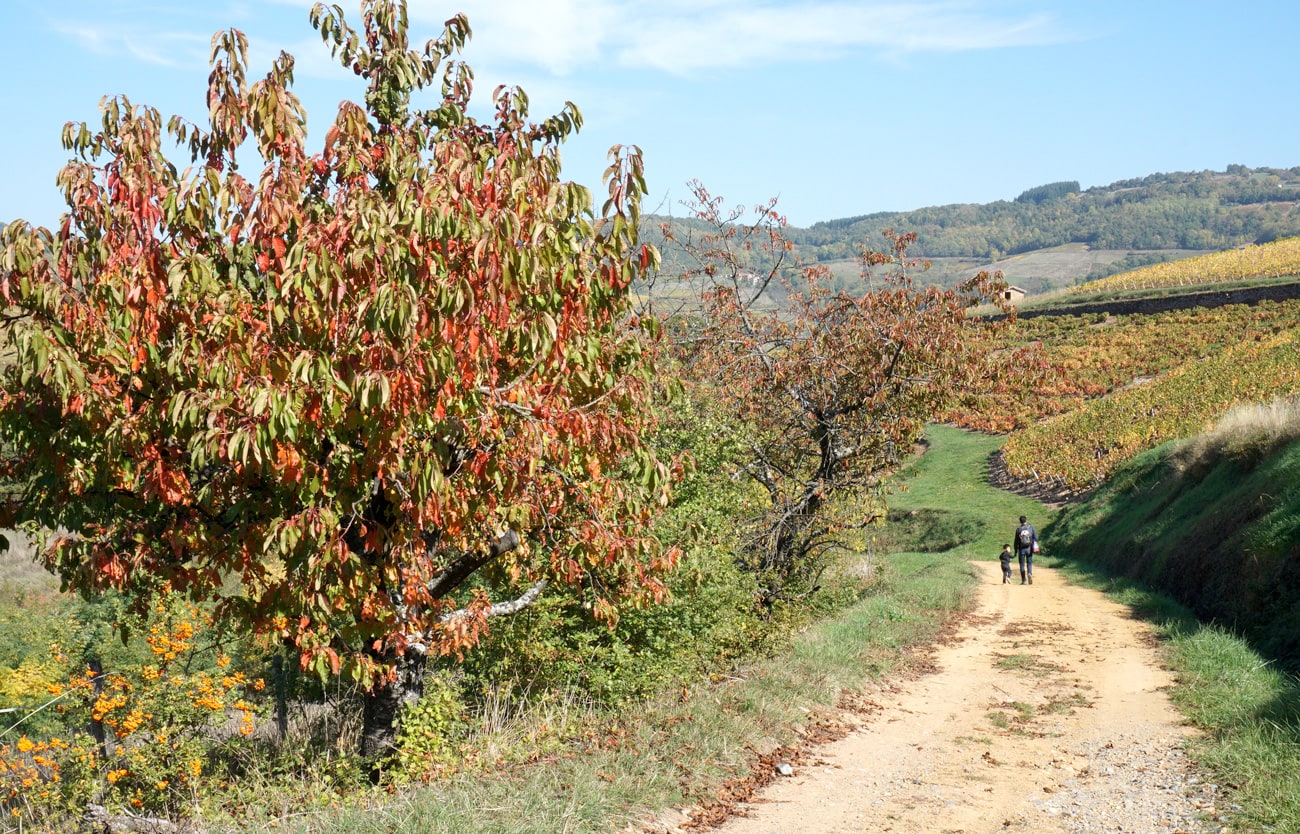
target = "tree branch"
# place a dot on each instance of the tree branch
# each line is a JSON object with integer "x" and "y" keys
{"x": 459, "y": 570}
{"x": 501, "y": 609}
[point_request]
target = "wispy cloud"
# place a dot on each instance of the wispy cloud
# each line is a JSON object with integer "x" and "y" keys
{"x": 559, "y": 38}
{"x": 679, "y": 36}
{"x": 141, "y": 43}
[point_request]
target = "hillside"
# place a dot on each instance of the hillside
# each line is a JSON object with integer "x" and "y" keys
{"x": 1180, "y": 210}
{"x": 1058, "y": 235}
{"x": 1214, "y": 521}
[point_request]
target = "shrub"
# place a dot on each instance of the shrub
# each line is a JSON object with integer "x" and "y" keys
{"x": 710, "y": 619}
{"x": 156, "y": 727}
{"x": 424, "y": 742}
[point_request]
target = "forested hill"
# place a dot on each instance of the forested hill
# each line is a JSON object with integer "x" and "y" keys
{"x": 1123, "y": 225}
{"x": 1203, "y": 210}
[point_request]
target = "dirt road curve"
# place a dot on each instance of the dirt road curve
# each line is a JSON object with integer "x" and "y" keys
{"x": 1047, "y": 714}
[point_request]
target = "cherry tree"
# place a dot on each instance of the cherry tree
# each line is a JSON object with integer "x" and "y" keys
{"x": 363, "y": 398}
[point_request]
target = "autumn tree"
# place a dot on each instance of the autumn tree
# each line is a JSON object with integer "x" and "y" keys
{"x": 832, "y": 390}
{"x": 363, "y": 399}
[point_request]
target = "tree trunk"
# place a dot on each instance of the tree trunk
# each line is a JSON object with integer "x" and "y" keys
{"x": 382, "y": 711}
{"x": 281, "y": 687}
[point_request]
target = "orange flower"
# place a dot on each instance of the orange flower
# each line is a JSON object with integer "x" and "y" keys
{"x": 210, "y": 701}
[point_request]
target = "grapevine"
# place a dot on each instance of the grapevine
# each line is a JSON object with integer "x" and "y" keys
{"x": 1083, "y": 447}
{"x": 1267, "y": 260}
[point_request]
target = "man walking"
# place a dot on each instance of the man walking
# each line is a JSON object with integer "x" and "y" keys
{"x": 1026, "y": 540}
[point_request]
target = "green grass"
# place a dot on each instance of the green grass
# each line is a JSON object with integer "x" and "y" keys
{"x": 949, "y": 479}
{"x": 1027, "y": 664}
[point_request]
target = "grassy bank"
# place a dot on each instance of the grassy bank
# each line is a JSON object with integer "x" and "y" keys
{"x": 1214, "y": 524}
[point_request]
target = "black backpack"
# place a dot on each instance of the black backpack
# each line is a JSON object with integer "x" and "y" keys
{"x": 1025, "y": 535}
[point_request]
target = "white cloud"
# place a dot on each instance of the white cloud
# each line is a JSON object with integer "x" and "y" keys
{"x": 568, "y": 36}
{"x": 156, "y": 48}
{"x": 525, "y": 39}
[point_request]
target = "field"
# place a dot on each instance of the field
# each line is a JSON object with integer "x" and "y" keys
{"x": 1061, "y": 266}
{"x": 1083, "y": 447}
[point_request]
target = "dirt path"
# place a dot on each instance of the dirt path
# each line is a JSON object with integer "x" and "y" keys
{"x": 1047, "y": 713}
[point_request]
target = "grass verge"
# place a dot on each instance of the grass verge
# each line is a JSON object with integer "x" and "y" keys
{"x": 949, "y": 480}
{"x": 1249, "y": 710}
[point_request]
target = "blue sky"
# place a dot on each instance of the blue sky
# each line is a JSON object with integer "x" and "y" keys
{"x": 835, "y": 108}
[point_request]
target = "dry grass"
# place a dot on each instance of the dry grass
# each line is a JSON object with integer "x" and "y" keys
{"x": 1246, "y": 433}
{"x": 18, "y": 568}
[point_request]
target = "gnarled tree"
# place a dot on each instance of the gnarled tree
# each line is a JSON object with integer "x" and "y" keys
{"x": 364, "y": 399}
{"x": 832, "y": 390}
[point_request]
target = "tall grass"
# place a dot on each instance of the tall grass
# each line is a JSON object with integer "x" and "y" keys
{"x": 1246, "y": 433}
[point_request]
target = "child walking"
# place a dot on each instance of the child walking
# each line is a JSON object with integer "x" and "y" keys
{"x": 1005, "y": 556}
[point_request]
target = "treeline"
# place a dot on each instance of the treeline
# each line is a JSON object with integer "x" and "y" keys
{"x": 1051, "y": 191}
{"x": 1208, "y": 210}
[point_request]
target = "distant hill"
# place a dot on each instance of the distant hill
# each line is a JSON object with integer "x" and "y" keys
{"x": 1057, "y": 235}
{"x": 1207, "y": 210}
